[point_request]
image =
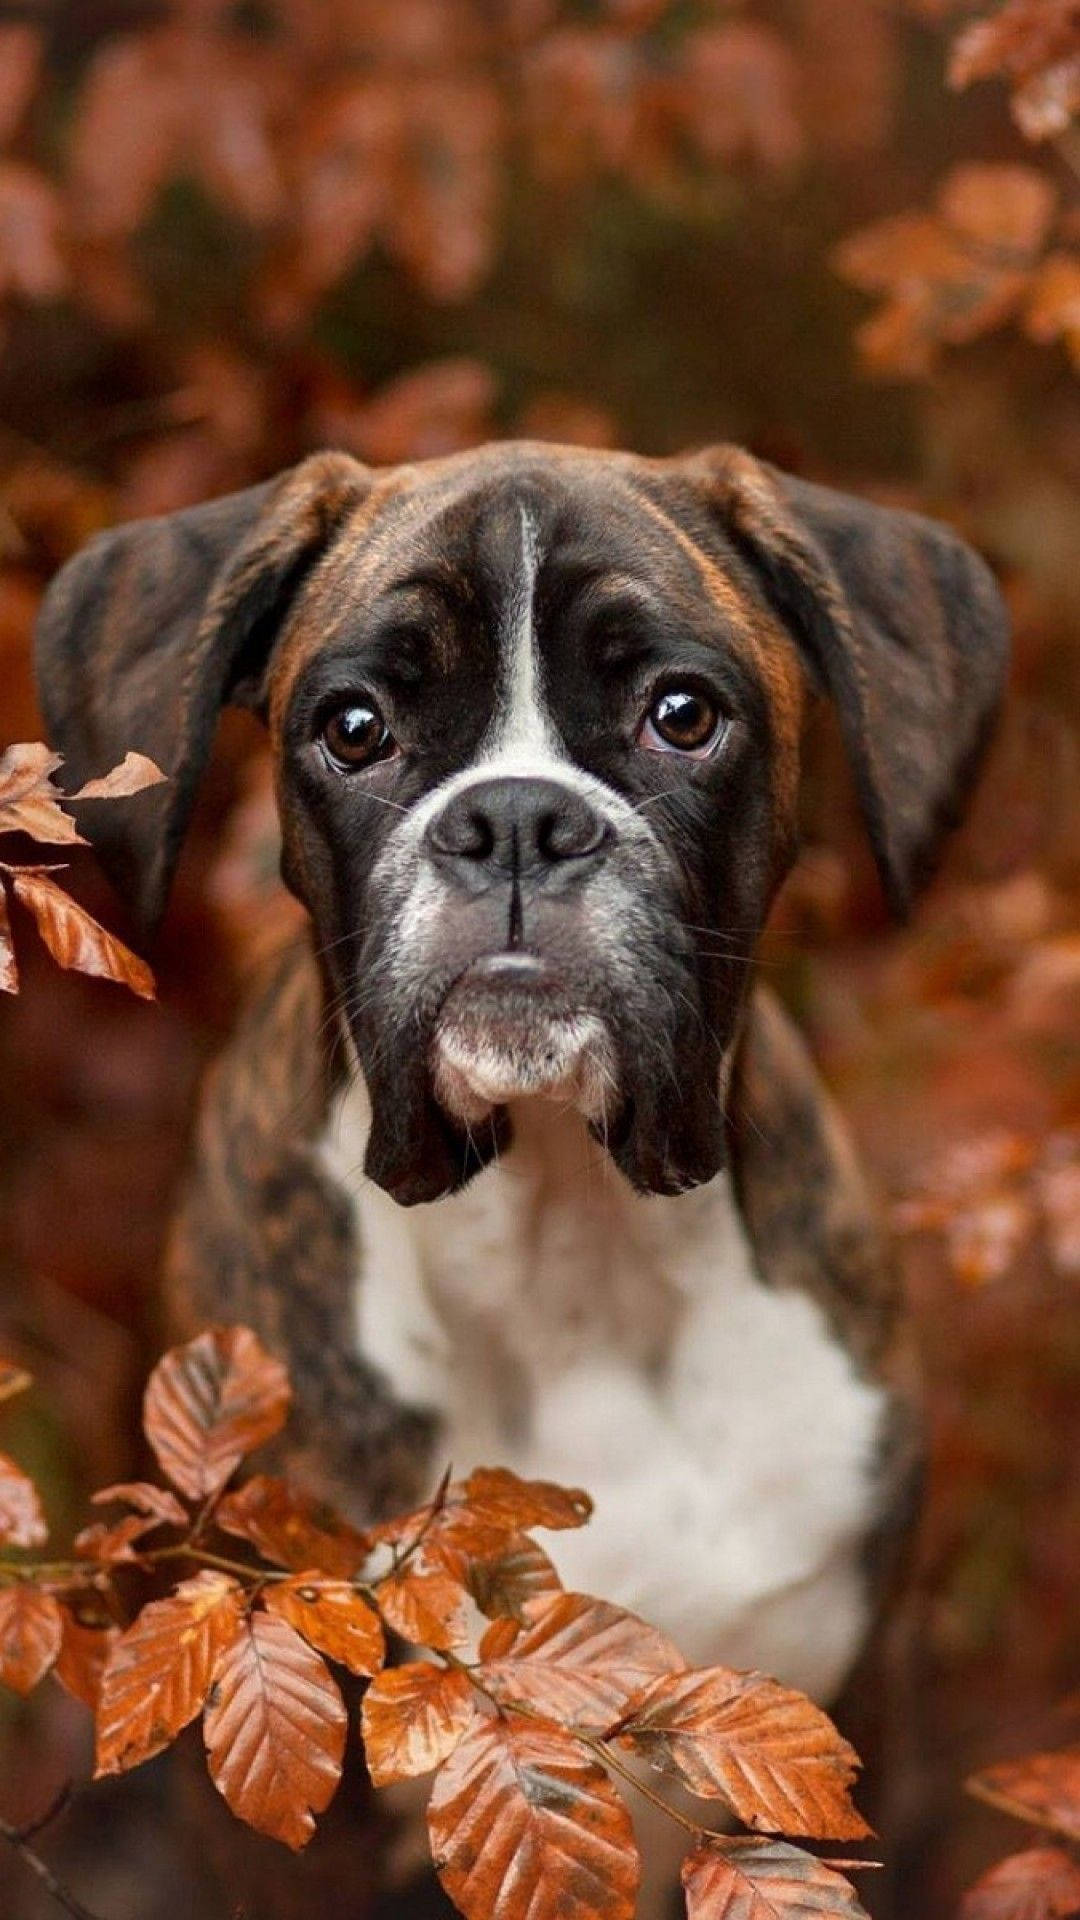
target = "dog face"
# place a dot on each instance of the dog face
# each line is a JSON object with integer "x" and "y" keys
{"x": 536, "y": 717}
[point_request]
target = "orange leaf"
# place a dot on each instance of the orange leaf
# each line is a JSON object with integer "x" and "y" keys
{"x": 274, "y": 1730}
{"x": 577, "y": 1659}
{"x": 158, "y": 1673}
{"x": 291, "y": 1529}
{"x": 29, "y": 803}
{"x": 9, "y": 966}
{"x": 22, "y": 1522}
{"x": 74, "y": 937}
{"x": 504, "y": 1585}
{"x": 1007, "y": 208}
{"x": 113, "y": 1544}
{"x": 333, "y": 1617}
{"x": 1042, "y": 1883}
{"x": 413, "y": 1717}
{"x": 30, "y": 1630}
{"x": 751, "y": 1880}
{"x": 133, "y": 775}
{"x": 524, "y": 1825}
{"x": 493, "y": 1493}
{"x": 774, "y": 1757}
{"x": 84, "y": 1650}
{"x": 209, "y": 1403}
{"x": 424, "y": 1604}
{"x": 154, "y": 1503}
{"x": 1043, "y": 1787}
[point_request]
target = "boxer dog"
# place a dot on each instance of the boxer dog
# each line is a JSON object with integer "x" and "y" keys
{"x": 513, "y": 1162}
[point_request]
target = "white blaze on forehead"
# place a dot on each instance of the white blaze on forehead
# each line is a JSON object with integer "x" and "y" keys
{"x": 521, "y": 723}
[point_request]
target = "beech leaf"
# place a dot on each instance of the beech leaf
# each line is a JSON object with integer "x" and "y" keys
{"x": 752, "y": 1880}
{"x": 274, "y": 1730}
{"x": 333, "y": 1617}
{"x": 524, "y": 1825}
{"x": 774, "y": 1757}
{"x": 503, "y": 1586}
{"x": 30, "y": 1630}
{"x": 115, "y": 1543}
{"x": 290, "y": 1528}
{"x": 158, "y": 1673}
{"x": 74, "y": 937}
{"x": 412, "y": 1719}
{"x": 9, "y": 966}
{"x": 494, "y": 1493}
{"x": 84, "y": 1650}
{"x": 154, "y": 1503}
{"x": 424, "y": 1604}
{"x": 575, "y": 1659}
{"x": 1042, "y": 1787}
{"x": 133, "y": 775}
{"x": 209, "y": 1403}
{"x": 22, "y": 1522}
{"x": 1042, "y": 1883}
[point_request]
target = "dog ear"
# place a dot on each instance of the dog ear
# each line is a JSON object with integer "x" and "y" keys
{"x": 901, "y": 624}
{"x": 154, "y": 626}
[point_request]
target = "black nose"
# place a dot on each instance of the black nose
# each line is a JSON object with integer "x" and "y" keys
{"x": 518, "y": 825}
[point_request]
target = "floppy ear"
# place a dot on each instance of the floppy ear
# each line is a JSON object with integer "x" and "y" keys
{"x": 145, "y": 634}
{"x": 901, "y": 624}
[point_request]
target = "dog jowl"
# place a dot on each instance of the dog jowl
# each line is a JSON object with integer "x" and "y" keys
{"x": 536, "y": 719}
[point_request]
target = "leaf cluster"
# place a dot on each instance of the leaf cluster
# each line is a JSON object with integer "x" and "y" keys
{"x": 534, "y": 1708}
{"x": 1042, "y": 1882}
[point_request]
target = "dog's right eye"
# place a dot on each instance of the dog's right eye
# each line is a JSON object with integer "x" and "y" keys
{"x": 355, "y": 735}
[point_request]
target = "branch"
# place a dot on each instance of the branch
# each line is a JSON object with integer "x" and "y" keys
{"x": 19, "y": 1839}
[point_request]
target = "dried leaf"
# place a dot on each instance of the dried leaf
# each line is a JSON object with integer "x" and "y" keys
{"x": 115, "y": 1543}
{"x": 577, "y": 1660}
{"x": 774, "y": 1757}
{"x": 424, "y": 1604}
{"x": 1006, "y": 208}
{"x": 504, "y": 1585}
{"x": 749, "y": 1880}
{"x": 134, "y": 774}
{"x": 275, "y": 1730}
{"x": 333, "y": 1617}
{"x": 22, "y": 1522}
{"x": 1042, "y": 1787}
{"x": 74, "y": 937}
{"x": 84, "y": 1650}
{"x": 209, "y": 1403}
{"x": 412, "y": 1719}
{"x": 158, "y": 1673}
{"x": 524, "y": 1825}
{"x": 154, "y": 1503}
{"x": 30, "y": 1630}
{"x": 495, "y": 1494}
{"x": 291, "y": 1529}
{"x": 1042, "y": 1883}
{"x": 9, "y": 966}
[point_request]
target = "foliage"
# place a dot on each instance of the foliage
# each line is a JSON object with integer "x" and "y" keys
{"x": 527, "y": 1703}
{"x": 1042, "y": 1882}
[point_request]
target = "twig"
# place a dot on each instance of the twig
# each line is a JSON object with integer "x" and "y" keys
{"x": 18, "y": 1839}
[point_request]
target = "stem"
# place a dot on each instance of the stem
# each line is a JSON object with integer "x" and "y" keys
{"x": 600, "y": 1751}
{"x": 17, "y": 1838}
{"x": 186, "y": 1550}
{"x": 1031, "y": 1816}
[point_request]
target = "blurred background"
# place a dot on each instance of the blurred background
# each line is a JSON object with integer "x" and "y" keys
{"x": 843, "y": 232}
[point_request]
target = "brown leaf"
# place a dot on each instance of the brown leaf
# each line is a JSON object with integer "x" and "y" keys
{"x": 74, "y": 937}
{"x": 135, "y": 773}
{"x": 29, "y": 803}
{"x": 774, "y": 1757}
{"x": 22, "y": 1522}
{"x": 290, "y": 1528}
{"x": 158, "y": 1673}
{"x": 1042, "y": 1883}
{"x": 424, "y": 1604}
{"x": 115, "y": 1543}
{"x": 524, "y": 1825}
{"x": 9, "y": 968}
{"x": 154, "y": 1503}
{"x": 412, "y": 1719}
{"x": 274, "y": 1730}
{"x": 748, "y": 1880}
{"x": 1006, "y": 208}
{"x": 20, "y": 61}
{"x": 333, "y": 1617}
{"x": 1042, "y": 1787}
{"x": 30, "y": 1630}
{"x": 504, "y": 1585}
{"x": 493, "y": 1493}
{"x": 209, "y": 1403}
{"x": 576, "y": 1660}
{"x": 84, "y": 1649}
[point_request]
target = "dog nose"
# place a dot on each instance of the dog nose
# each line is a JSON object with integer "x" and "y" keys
{"x": 519, "y": 825}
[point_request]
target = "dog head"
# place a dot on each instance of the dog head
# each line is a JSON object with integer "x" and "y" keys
{"x": 536, "y": 720}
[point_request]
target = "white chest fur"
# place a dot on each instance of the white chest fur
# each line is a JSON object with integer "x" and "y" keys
{"x": 568, "y": 1328}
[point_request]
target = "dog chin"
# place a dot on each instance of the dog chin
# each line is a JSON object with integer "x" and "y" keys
{"x": 505, "y": 1032}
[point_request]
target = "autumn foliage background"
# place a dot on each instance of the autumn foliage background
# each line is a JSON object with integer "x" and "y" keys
{"x": 845, "y": 232}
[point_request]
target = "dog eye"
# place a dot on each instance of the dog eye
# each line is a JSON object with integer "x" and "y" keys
{"x": 355, "y": 735}
{"x": 681, "y": 720}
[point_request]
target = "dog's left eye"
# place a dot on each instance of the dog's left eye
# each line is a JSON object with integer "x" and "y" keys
{"x": 681, "y": 720}
{"x": 355, "y": 735}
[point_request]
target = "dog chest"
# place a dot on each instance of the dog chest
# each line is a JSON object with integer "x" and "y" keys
{"x": 563, "y": 1326}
